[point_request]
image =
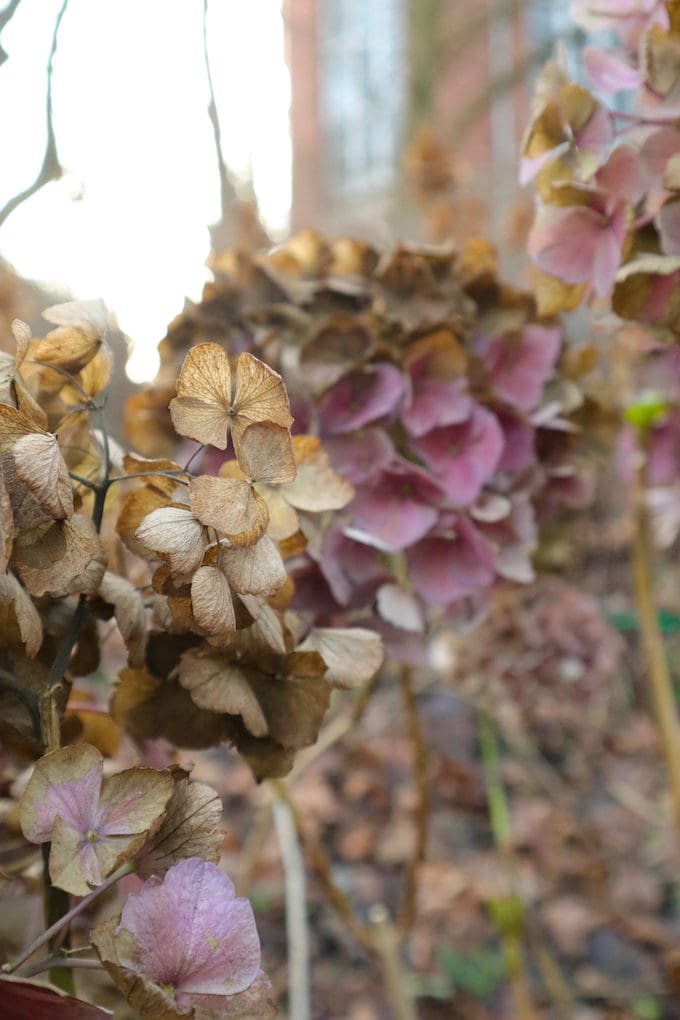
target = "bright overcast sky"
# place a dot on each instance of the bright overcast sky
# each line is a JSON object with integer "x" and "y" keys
{"x": 128, "y": 222}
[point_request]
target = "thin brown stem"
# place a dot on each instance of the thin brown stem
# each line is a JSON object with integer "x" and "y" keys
{"x": 658, "y": 671}
{"x": 407, "y": 913}
{"x": 69, "y": 962}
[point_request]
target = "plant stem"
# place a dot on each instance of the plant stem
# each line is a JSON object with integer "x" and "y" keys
{"x": 655, "y": 654}
{"x": 386, "y": 946}
{"x": 334, "y": 894}
{"x": 509, "y": 915}
{"x": 69, "y": 962}
{"x": 297, "y": 930}
{"x": 65, "y": 919}
{"x": 407, "y": 913}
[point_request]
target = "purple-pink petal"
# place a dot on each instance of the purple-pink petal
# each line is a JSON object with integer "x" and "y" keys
{"x": 361, "y": 397}
{"x": 669, "y": 227}
{"x": 464, "y": 457}
{"x": 192, "y": 934}
{"x": 447, "y": 567}
{"x": 359, "y": 455}
{"x": 74, "y": 800}
{"x": 397, "y": 509}
{"x": 610, "y": 71}
{"x": 519, "y": 367}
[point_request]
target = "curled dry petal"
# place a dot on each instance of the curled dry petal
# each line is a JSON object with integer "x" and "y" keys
{"x": 400, "y": 607}
{"x": 40, "y": 465}
{"x": 190, "y": 828}
{"x": 175, "y": 532}
{"x": 231, "y": 506}
{"x": 25, "y": 614}
{"x": 63, "y": 557}
{"x": 128, "y": 608}
{"x": 211, "y": 601}
{"x": 28, "y": 1000}
{"x": 220, "y": 686}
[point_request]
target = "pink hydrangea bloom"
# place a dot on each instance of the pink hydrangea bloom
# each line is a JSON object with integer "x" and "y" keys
{"x": 520, "y": 365}
{"x": 193, "y": 937}
{"x": 433, "y": 401}
{"x": 581, "y": 243}
{"x": 361, "y": 397}
{"x": 464, "y": 457}
{"x": 610, "y": 72}
{"x": 398, "y": 508}
{"x": 451, "y": 563}
{"x": 359, "y": 455}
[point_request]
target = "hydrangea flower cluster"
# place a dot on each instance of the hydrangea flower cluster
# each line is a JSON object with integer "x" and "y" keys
{"x": 435, "y": 390}
{"x": 608, "y": 220}
{"x": 607, "y": 229}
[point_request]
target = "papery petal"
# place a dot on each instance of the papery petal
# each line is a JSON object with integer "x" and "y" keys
{"x": 66, "y": 784}
{"x": 192, "y": 932}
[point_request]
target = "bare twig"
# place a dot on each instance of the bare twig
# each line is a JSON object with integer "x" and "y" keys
{"x": 5, "y": 17}
{"x": 227, "y": 194}
{"x": 297, "y": 929}
{"x": 407, "y": 914}
{"x": 322, "y": 866}
{"x": 70, "y": 962}
{"x": 51, "y": 169}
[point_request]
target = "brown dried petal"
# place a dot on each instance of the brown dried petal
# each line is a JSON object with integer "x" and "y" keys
{"x": 219, "y": 686}
{"x": 128, "y": 607}
{"x": 266, "y": 453}
{"x": 231, "y": 507}
{"x": 201, "y": 409}
{"x": 65, "y": 556}
{"x": 40, "y": 465}
{"x": 259, "y": 396}
{"x": 256, "y": 570}
{"x": 211, "y": 601}
{"x": 26, "y": 615}
{"x": 190, "y": 828}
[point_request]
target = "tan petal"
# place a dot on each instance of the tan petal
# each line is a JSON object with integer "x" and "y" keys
{"x": 256, "y": 570}
{"x": 136, "y": 506}
{"x": 13, "y": 425}
{"x": 22, "y": 338}
{"x": 211, "y": 601}
{"x": 175, "y": 532}
{"x": 400, "y": 608}
{"x": 259, "y": 395}
{"x": 231, "y": 507}
{"x": 68, "y": 348}
{"x": 283, "y": 518}
{"x": 6, "y": 526}
{"x": 65, "y": 556}
{"x": 317, "y": 487}
{"x": 201, "y": 409}
{"x": 266, "y": 453}
{"x": 139, "y": 466}
{"x": 190, "y": 828}
{"x": 216, "y": 684}
{"x": 91, "y": 317}
{"x": 26, "y": 615}
{"x": 352, "y": 655}
{"x": 128, "y": 608}
{"x": 40, "y": 465}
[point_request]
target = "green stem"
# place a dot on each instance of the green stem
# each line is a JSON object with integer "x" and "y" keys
{"x": 658, "y": 671}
